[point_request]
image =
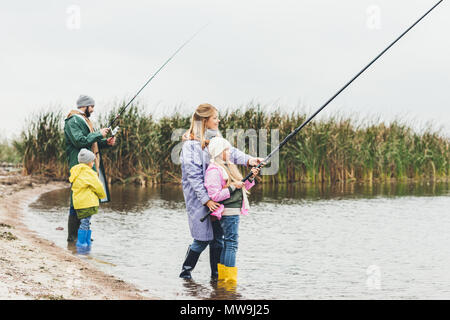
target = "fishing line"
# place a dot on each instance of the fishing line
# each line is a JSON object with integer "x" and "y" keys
{"x": 151, "y": 78}
{"x": 293, "y": 133}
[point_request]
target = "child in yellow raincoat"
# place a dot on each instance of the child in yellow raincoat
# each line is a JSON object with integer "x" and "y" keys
{"x": 87, "y": 190}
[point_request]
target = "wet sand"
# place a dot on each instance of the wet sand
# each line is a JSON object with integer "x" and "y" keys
{"x": 34, "y": 268}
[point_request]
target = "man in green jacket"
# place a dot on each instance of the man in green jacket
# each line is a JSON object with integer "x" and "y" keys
{"x": 79, "y": 133}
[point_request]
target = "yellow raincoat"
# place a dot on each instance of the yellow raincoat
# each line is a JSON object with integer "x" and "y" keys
{"x": 86, "y": 186}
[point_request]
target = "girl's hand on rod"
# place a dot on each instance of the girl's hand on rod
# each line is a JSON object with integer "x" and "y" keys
{"x": 255, "y": 172}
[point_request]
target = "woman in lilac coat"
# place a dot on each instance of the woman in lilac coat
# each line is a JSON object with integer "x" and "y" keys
{"x": 194, "y": 159}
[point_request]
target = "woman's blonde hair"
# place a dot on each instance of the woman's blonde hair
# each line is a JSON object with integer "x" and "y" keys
{"x": 198, "y": 123}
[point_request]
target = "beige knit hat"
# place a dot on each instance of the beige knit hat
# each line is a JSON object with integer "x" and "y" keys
{"x": 217, "y": 145}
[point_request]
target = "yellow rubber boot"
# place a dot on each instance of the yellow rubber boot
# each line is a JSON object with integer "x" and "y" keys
{"x": 232, "y": 274}
{"x": 222, "y": 279}
{"x": 230, "y": 281}
{"x": 221, "y": 270}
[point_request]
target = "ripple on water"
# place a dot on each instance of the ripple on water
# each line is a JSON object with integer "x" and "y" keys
{"x": 365, "y": 246}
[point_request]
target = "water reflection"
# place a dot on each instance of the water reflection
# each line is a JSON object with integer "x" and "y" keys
{"x": 135, "y": 199}
{"x": 272, "y": 192}
{"x": 298, "y": 242}
{"x": 217, "y": 290}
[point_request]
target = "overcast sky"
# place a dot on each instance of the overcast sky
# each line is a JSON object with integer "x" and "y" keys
{"x": 288, "y": 54}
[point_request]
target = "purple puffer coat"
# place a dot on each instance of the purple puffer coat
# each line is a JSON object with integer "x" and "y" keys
{"x": 194, "y": 162}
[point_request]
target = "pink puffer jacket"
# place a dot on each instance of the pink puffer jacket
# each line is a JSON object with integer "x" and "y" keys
{"x": 215, "y": 185}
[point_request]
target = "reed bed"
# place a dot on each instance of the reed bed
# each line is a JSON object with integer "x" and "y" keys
{"x": 336, "y": 149}
{"x": 42, "y": 146}
{"x": 8, "y": 153}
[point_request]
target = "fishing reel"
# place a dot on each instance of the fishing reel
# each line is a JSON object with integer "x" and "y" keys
{"x": 115, "y": 131}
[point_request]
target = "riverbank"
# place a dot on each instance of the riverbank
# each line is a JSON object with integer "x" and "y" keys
{"x": 34, "y": 268}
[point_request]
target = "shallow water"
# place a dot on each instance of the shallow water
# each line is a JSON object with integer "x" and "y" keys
{"x": 298, "y": 242}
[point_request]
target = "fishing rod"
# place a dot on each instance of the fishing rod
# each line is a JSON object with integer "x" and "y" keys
{"x": 113, "y": 132}
{"x": 293, "y": 133}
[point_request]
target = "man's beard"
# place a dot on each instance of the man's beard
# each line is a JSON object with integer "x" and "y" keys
{"x": 87, "y": 113}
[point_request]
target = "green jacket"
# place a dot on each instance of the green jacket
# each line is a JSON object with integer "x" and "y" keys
{"x": 235, "y": 199}
{"x": 87, "y": 212}
{"x": 78, "y": 136}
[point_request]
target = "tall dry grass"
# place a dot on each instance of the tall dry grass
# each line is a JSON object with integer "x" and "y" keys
{"x": 42, "y": 146}
{"x": 332, "y": 150}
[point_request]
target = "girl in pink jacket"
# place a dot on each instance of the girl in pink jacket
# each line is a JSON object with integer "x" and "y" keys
{"x": 223, "y": 181}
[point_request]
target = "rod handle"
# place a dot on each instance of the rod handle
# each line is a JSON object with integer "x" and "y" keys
{"x": 206, "y": 216}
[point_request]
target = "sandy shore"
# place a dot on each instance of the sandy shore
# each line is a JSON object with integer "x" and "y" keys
{"x": 34, "y": 268}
